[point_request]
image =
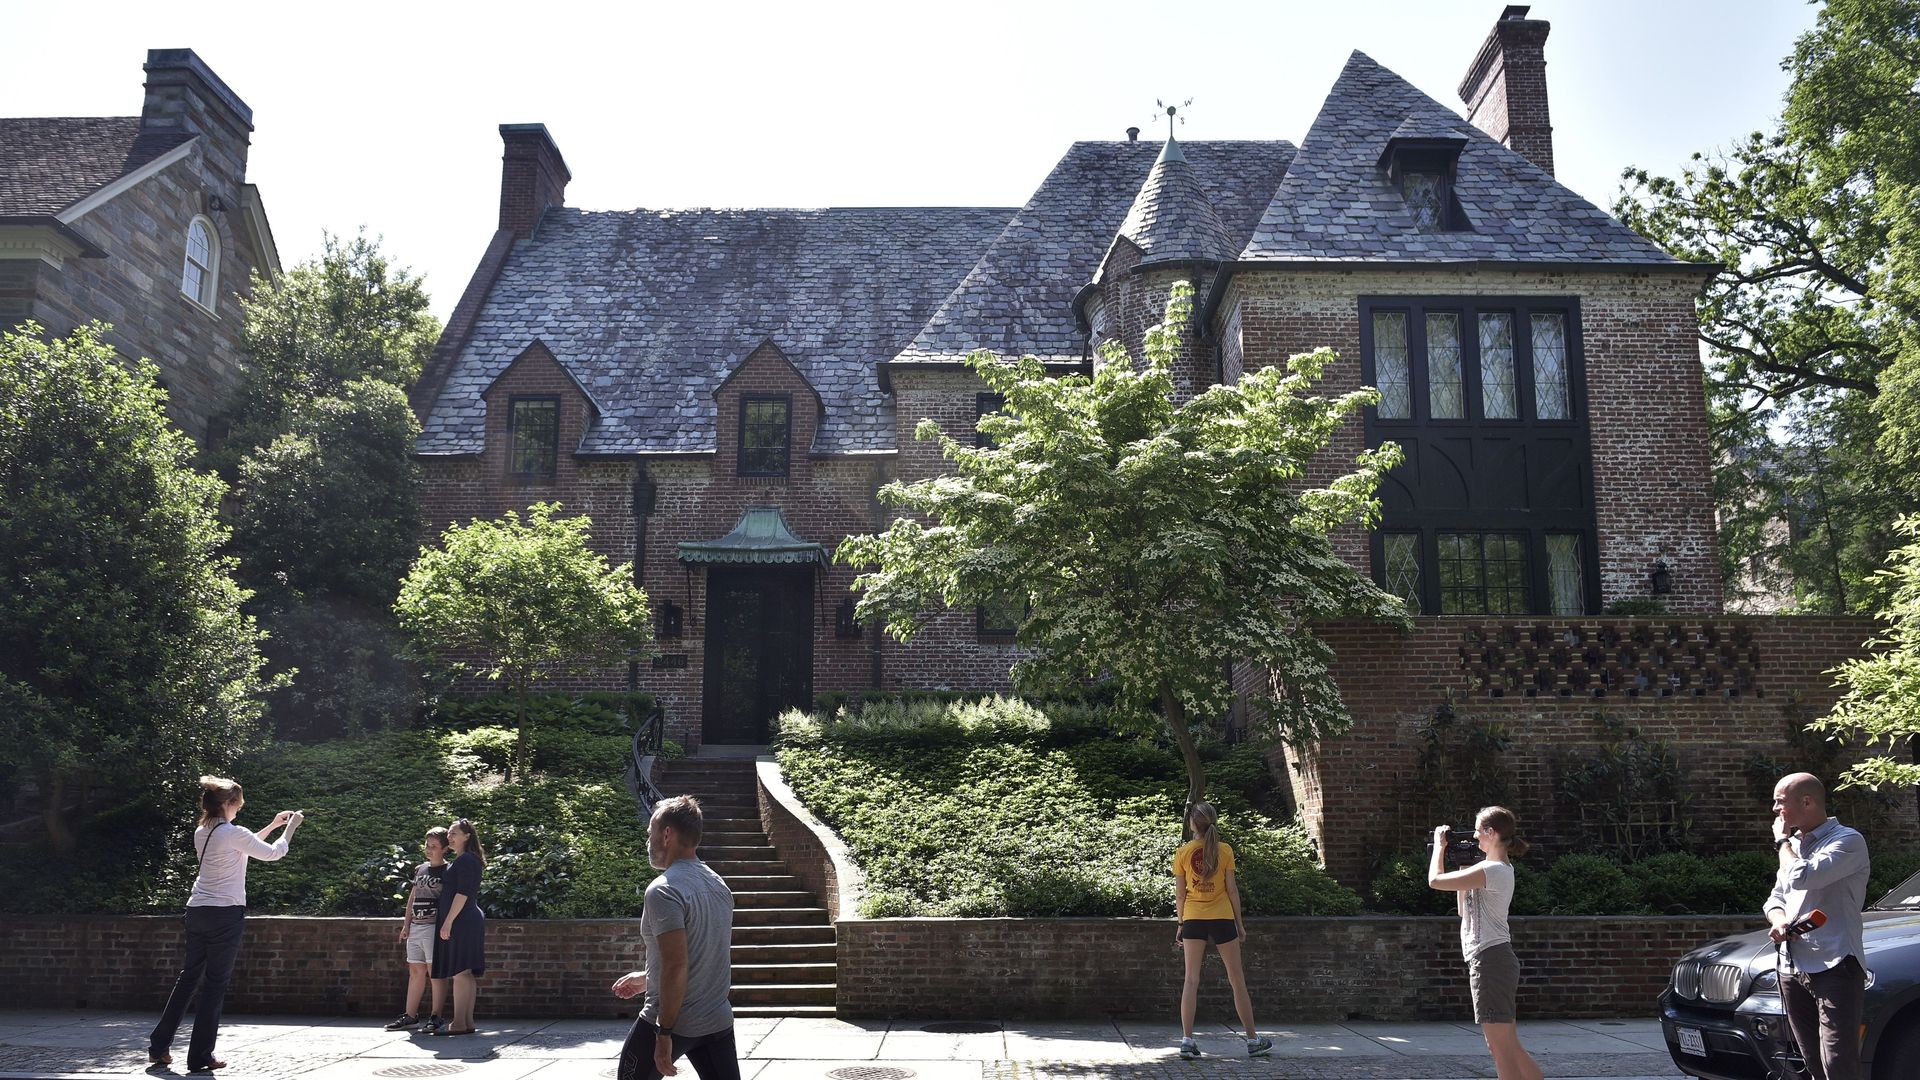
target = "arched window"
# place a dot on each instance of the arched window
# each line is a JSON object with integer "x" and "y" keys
{"x": 200, "y": 279}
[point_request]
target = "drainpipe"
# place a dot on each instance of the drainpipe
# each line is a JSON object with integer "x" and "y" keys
{"x": 644, "y": 492}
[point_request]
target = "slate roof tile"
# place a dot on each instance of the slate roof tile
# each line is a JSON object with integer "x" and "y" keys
{"x": 1335, "y": 203}
{"x": 48, "y": 163}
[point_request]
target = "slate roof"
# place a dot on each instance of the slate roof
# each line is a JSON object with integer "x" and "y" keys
{"x": 1335, "y": 203}
{"x": 652, "y": 310}
{"x": 50, "y": 163}
{"x": 1172, "y": 220}
{"x": 1018, "y": 299}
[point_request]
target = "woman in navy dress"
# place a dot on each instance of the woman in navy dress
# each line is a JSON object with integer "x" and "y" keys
{"x": 462, "y": 952}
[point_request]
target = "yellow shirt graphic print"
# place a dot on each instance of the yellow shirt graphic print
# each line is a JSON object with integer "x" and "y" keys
{"x": 1206, "y": 896}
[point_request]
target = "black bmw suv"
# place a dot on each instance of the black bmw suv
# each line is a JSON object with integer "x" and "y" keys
{"x": 1722, "y": 1017}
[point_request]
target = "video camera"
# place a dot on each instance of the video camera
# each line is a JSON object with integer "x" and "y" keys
{"x": 1463, "y": 849}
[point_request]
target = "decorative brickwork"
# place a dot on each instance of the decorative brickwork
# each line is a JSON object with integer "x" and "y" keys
{"x": 1506, "y": 88}
{"x": 1360, "y": 793}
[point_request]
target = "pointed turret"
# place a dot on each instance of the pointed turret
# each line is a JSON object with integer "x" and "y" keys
{"x": 1172, "y": 220}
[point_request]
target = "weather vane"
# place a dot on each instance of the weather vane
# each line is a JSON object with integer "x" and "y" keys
{"x": 1172, "y": 110}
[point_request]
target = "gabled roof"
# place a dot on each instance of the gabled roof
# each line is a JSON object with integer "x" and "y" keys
{"x": 1335, "y": 203}
{"x": 650, "y": 310}
{"x": 50, "y": 163}
{"x": 1018, "y": 299}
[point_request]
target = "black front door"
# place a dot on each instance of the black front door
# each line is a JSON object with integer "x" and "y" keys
{"x": 759, "y": 651}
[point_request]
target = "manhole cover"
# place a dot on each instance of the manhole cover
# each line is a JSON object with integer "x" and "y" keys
{"x": 961, "y": 1027}
{"x": 432, "y": 1069}
{"x": 869, "y": 1072}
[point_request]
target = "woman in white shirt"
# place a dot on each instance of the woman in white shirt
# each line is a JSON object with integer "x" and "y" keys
{"x": 216, "y": 914}
{"x": 1484, "y": 891}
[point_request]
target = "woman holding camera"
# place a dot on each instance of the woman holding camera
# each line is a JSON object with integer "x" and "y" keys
{"x": 461, "y": 954}
{"x": 216, "y": 917}
{"x": 1483, "y": 893}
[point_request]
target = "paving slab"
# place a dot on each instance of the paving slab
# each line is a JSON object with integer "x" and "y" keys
{"x": 869, "y": 1070}
{"x": 908, "y": 1042}
{"x": 1088, "y": 1042}
{"x": 808, "y": 1038}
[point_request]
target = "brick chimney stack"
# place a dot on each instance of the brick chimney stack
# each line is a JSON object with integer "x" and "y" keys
{"x": 1506, "y": 87}
{"x": 533, "y": 176}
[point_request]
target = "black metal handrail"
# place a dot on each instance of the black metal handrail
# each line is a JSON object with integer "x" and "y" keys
{"x": 648, "y": 739}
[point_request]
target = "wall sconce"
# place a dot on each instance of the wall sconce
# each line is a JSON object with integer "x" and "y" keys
{"x": 844, "y": 624}
{"x": 670, "y": 620}
{"x": 1662, "y": 577}
{"x": 216, "y": 204}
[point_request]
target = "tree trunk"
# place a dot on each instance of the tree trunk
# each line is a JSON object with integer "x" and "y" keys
{"x": 522, "y": 753}
{"x": 59, "y": 832}
{"x": 1176, "y": 716}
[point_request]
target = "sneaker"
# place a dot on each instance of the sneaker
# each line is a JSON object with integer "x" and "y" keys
{"x": 1189, "y": 1048}
{"x": 1259, "y": 1047}
{"x": 406, "y": 1021}
{"x": 432, "y": 1024}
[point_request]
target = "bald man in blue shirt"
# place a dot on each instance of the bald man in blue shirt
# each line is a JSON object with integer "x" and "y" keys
{"x": 1823, "y": 983}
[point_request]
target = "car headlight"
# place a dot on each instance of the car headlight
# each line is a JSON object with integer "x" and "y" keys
{"x": 1767, "y": 982}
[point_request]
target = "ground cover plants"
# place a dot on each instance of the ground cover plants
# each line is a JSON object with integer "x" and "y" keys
{"x": 563, "y": 840}
{"x": 1001, "y": 807}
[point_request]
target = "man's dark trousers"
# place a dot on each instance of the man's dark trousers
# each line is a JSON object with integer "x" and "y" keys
{"x": 213, "y": 942}
{"x": 1824, "y": 1009}
{"x": 712, "y": 1056}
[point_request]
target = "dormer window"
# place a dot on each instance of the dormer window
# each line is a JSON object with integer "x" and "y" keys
{"x": 200, "y": 278}
{"x": 1423, "y": 169}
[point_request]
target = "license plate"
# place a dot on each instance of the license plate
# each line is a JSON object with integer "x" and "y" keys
{"x": 1691, "y": 1042}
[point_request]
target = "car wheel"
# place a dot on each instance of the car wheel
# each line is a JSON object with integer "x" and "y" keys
{"x": 1899, "y": 1055}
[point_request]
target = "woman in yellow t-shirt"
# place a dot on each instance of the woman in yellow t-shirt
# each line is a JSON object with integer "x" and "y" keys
{"x": 1206, "y": 900}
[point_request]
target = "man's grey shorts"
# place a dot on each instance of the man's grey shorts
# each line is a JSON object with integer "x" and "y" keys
{"x": 1494, "y": 975}
{"x": 420, "y": 938}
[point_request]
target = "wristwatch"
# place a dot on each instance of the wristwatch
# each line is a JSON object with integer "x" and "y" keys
{"x": 1782, "y": 842}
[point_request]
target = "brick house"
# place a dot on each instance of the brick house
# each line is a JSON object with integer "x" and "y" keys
{"x": 724, "y": 390}
{"x": 146, "y": 222}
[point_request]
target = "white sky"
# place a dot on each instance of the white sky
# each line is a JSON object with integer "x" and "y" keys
{"x": 385, "y": 115}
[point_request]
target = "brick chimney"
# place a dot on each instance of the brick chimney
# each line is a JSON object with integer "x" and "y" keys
{"x": 533, "y": 176}
{"x": 1506, "y": 88}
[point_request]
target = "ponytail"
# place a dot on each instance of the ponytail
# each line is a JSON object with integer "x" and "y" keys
{"x": 1501, "y": 821}
{"x": 1200, "y": 819}
{"x": 216, "y": 794}
{"x": 473, "y": 839}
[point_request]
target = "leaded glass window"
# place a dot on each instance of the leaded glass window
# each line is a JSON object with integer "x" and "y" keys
{"x": 1483, "y": 573}
{"x": 1566, "y": 579}
{"x": 1403, "y": 568}
{"x": 1000, "y": 616}
{"x": 533, "y": 427}
{"x": 1427, "y": 200}
{"x": 1446, "y": 396}
{"x": 764, "y": 431}
{"x": 1390, "y": 369}
{"x": 985, "y": 405}
{"x": 1550, "y": 367}
{"x": 1498, "y": 401}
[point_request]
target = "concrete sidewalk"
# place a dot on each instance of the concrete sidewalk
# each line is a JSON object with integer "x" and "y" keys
{"x": 94, "y": 1044}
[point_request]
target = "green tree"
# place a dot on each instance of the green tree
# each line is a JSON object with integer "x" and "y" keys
{"x": 332, "y": 505}
{"x": 522, "y": 601}
{"x": 1813, "y": 374}
{"x": 1881, "y": 705}
{"x": 125, "y": 657}
{"x": 350, "y": 315}
{"x": 1150, "y": 543}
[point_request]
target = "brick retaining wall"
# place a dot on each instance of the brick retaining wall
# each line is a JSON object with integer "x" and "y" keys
{"x": 1376, "y": 968}
{"x": 1300, "y": 969}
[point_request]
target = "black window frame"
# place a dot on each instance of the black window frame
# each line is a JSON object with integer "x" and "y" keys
{"x": 1535, "y": 525}
{"x": 998, "y": 635}
{"x": 747, "y": 401}
{"x": 985, "y": 404}
{"x": 513, "y": 435}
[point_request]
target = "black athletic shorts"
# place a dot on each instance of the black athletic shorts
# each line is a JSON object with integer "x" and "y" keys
{"x": 1216, "y": 931}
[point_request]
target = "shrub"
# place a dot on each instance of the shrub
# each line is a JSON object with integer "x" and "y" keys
{"x": 1399, "y": 886}
{"x": 1890, "y": 869}
{"x": 1532, "y": 891}
{"x": 1591, "y": 885}
{"x": 1000, "y": 806}
{"x": 1675, "y": 883}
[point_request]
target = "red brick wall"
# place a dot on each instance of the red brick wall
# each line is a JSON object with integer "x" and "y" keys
{"x": 1369, "y": 968}
{"x": 1298, "y": 969}
{"x": 1653, "y": 492}
{"x": 1506, "y": 89}
{"x": 1361, "y": 794}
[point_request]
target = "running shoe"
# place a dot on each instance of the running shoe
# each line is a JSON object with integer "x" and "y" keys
{"x": 1259, "y": 1047}
{"x": 1189, "y": 1048}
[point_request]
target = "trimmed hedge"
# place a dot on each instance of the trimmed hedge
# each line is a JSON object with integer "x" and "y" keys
{"x": 1001, "y": 807}
{"x": 1674, "y": 883}
{"x": 565, "y": 842}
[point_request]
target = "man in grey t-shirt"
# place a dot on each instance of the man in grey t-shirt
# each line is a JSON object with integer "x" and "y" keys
{"x": 687, "y": 927}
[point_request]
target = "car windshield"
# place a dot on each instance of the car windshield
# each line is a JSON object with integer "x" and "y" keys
{"x": 1904, "y": 897}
